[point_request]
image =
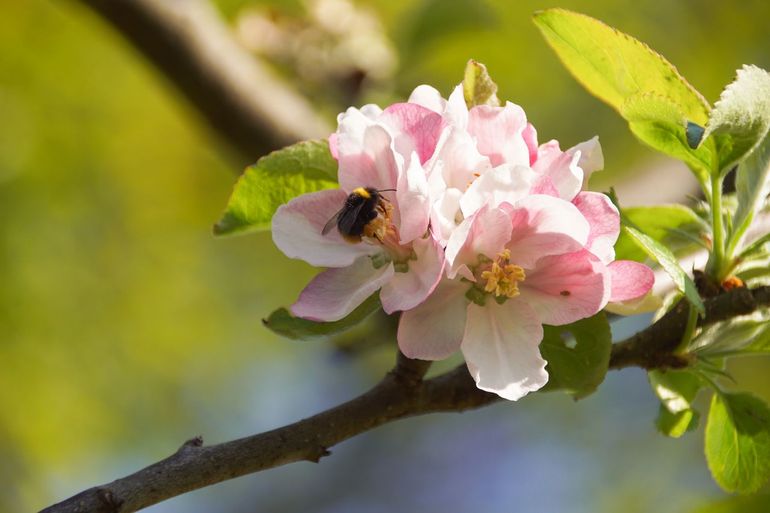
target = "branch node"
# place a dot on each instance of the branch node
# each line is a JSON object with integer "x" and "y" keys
{"x": 318, "y": 453}
{"x": 409, "y": 372}
{"x": 109, "y": 500}
{"x": 196, "y": 441}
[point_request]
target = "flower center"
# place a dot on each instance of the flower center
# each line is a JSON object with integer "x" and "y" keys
{"x": 501, "y": 277}
{"x": 382, "y": 232}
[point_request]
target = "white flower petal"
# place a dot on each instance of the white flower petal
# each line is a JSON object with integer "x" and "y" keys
{"x": 444, "y": 215}
{"x": 500, "y": 346}
{"x": 406, "y": 290}
{"x": 434, "y": 329}
{"x": 504, "y": 183}
{"x": 456, "y": 111}
{"x": 413, "y": 201}
{"x": 428, "y": 97}
{"x": 591, "y": 157}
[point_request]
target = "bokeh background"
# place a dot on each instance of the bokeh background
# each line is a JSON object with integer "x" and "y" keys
{"x": 126, "y": 328}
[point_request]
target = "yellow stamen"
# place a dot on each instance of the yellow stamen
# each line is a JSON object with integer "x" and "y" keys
{"x": 502, "y": 277}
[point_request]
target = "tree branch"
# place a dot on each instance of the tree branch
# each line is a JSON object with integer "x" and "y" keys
{"x": 402, "y": 393}
{"x": 192, "y": 46}
{"x": 652, "y": 348}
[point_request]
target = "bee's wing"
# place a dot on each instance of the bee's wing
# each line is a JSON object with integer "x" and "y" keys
{"x": 348, "y": 217}
{"x": 331, "y": 223}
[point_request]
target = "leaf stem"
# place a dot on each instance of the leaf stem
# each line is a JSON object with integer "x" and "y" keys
{"x": 713, "y": 384}
{"x": 715, "y": 264}
{"x": 692, "y": 323}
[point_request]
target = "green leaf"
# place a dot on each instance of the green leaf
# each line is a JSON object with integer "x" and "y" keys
{"x": 757, "y": 248}
{"x": 743, "y": 335}
{"x": 676, "y": 391}
{"x": 274, "y": 180}
{"x": 639, "y": 83}
{"x": 666, "y": 224}
{"x": 660, "y": 123}
{"x": 738, "y": 442}
{"x": 283, "y": 323}
{"x": 752, "y": 185}
{"x": 478, "y": 86}
{"x": 668, "y": 261}
{"x": 742, "y": 114}
{"x": 579, "y": 363}
{"x": 676, "y": 424}
{"x": 614, "y": 66}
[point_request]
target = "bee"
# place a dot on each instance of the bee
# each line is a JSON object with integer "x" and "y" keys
{"x": 362, "y": 206}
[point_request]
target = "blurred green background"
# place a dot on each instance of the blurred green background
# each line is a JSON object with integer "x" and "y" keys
{"x": 126, "y": 328}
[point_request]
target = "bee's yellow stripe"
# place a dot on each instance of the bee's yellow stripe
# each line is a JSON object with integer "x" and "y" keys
{"x": 362, "y": 192}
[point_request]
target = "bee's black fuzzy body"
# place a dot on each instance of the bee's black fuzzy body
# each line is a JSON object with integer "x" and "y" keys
{"x": 361, "y": 207}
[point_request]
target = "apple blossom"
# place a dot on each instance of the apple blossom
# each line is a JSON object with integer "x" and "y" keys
{"x": 511, "y": 269}
{"x": 483, "y": 236}
{"x": 382, "y": 150}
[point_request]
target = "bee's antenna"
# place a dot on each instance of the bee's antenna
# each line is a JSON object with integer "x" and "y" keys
{"x": 386, "y": 190}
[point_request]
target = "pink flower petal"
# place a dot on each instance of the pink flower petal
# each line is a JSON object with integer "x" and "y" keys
{"x": 544, "y": 225}
{"x": 499, "y": 133}
{"x": 630, "y": 280}
{"x": 297, "y": 231}
{"x": 529, "y": 134}
{"x": 375, "y": 166}
{"x": 544, "y": 185}
{"x": 413, "y": 201}
{"x": 406, "y": 290}
{"x": 566, "y": 288}
{"x": 434, "y": 329}
{"x": 561, "y": 167}
{"x": 416, "y": 128}
{"x": 484, "y": 233}
{"x": 504, "y": 183}
{"x": 604, "y": 219}
{"x": 334, "y": 293}
{"x": 500, "y": 346}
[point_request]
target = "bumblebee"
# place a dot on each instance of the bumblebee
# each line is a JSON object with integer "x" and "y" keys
{"x": 362, "y": 206}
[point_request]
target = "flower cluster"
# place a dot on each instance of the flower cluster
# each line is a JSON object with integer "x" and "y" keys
{"x": 479, "y": 236}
